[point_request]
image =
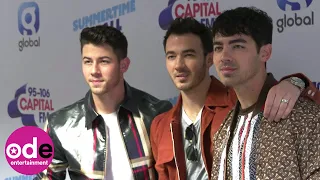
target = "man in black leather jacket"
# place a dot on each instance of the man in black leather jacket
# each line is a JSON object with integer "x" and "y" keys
{"x": 105, "y": 135}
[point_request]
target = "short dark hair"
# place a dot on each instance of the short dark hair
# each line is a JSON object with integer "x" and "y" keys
{"x": 249, "y": 21}
{"x": 105, "y": 35}
{"x": 181, "y": 26}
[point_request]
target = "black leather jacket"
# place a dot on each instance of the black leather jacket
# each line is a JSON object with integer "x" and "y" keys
{"x": 79, "y": 137}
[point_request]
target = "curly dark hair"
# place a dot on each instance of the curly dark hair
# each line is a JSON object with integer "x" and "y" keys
{"x": 249, "y": 21}
{"x": 105, "y": 35}
{"x": 181, "y": 26}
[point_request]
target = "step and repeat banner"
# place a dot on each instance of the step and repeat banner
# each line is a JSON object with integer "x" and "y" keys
{"x": 41, "y": 61}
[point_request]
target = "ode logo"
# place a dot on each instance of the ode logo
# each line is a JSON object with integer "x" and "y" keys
{"x": 29, "y": 150}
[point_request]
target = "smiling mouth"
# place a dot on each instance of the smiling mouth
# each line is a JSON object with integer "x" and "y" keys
{"x": 95, "y": 82}
{"x": 181, "y": 75}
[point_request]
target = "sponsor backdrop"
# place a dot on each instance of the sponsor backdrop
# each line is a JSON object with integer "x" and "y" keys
{"x": 41, "y": 63}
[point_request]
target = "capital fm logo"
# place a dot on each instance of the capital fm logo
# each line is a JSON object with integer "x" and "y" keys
{"x": 33, "y": 105}
{"x": 203, "y": 10}
{"x": 28, "y": 25}
{"x": 293, "y": 16}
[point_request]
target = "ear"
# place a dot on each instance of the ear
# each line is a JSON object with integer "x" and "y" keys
{"x": 124, "y": 65}
{"x": 209, "y": 60}
{"x": 265, "y": 52}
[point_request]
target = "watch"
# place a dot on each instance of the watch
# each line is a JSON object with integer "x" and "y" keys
{"x": 297, "y": 82}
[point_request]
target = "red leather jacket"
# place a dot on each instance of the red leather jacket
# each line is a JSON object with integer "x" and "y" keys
{"x": 166, "y": 133}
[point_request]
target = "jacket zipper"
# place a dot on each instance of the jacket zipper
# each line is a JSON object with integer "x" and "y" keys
{"x": 125, "y": 145}
{"x": 174, "y": 154}
{"x": 105, "y": 148}
{"x": 201, "y": 155}
{"x": 105, "y": 152}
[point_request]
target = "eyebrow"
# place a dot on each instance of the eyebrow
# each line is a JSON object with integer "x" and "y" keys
{"x": 184, "y": 51}
{"x": 102, "y": 57}
{"x": 239, "y": 40}
{"x": 189, "y": 51}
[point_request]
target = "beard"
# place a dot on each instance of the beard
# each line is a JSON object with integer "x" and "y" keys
{"x": 107, "y": 86}
{"x": 239, "y": 77}
{"x": 196, "y": 78}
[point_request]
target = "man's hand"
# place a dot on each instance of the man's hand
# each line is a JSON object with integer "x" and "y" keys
{"x": 280, "y": 101}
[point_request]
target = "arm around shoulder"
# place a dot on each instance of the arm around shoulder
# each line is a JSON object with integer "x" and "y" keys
{"x": 59, "y": 164}
{"x": 310, "y": 91}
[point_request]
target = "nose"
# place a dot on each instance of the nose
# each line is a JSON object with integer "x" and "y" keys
{"x": 95, "y": 68}
{"x": 225, "y": 55}
{"x": 179, "y": 62}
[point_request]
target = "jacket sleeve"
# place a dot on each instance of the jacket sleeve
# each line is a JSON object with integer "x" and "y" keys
{"x": 315, "y": 176}
{"x": 59, "y": 164}
{"x": 309, "y": 146}
{"x": 160, "y": 168}
{"x": 311, "y": 91}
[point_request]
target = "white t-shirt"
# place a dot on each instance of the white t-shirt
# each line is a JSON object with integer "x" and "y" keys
{"x": 117, "y": 164}
{"x": 195, "y": 170}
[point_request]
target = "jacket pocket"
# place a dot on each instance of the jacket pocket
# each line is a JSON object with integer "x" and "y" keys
{"x": 165, "y": 155}
{"x": 165, "y": 149}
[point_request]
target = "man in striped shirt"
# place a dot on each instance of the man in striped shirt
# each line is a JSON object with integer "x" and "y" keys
{"x": 246, "y": 145}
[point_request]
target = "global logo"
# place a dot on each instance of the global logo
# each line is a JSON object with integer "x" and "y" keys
{"x": 28, "y": 24}
{"x": 28, "y": 18}
{"x": 293, "y": 5}
{"x": 203, "y": 10}
{"x": 33, "y": 105}
{"x": 295, "y": 19}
